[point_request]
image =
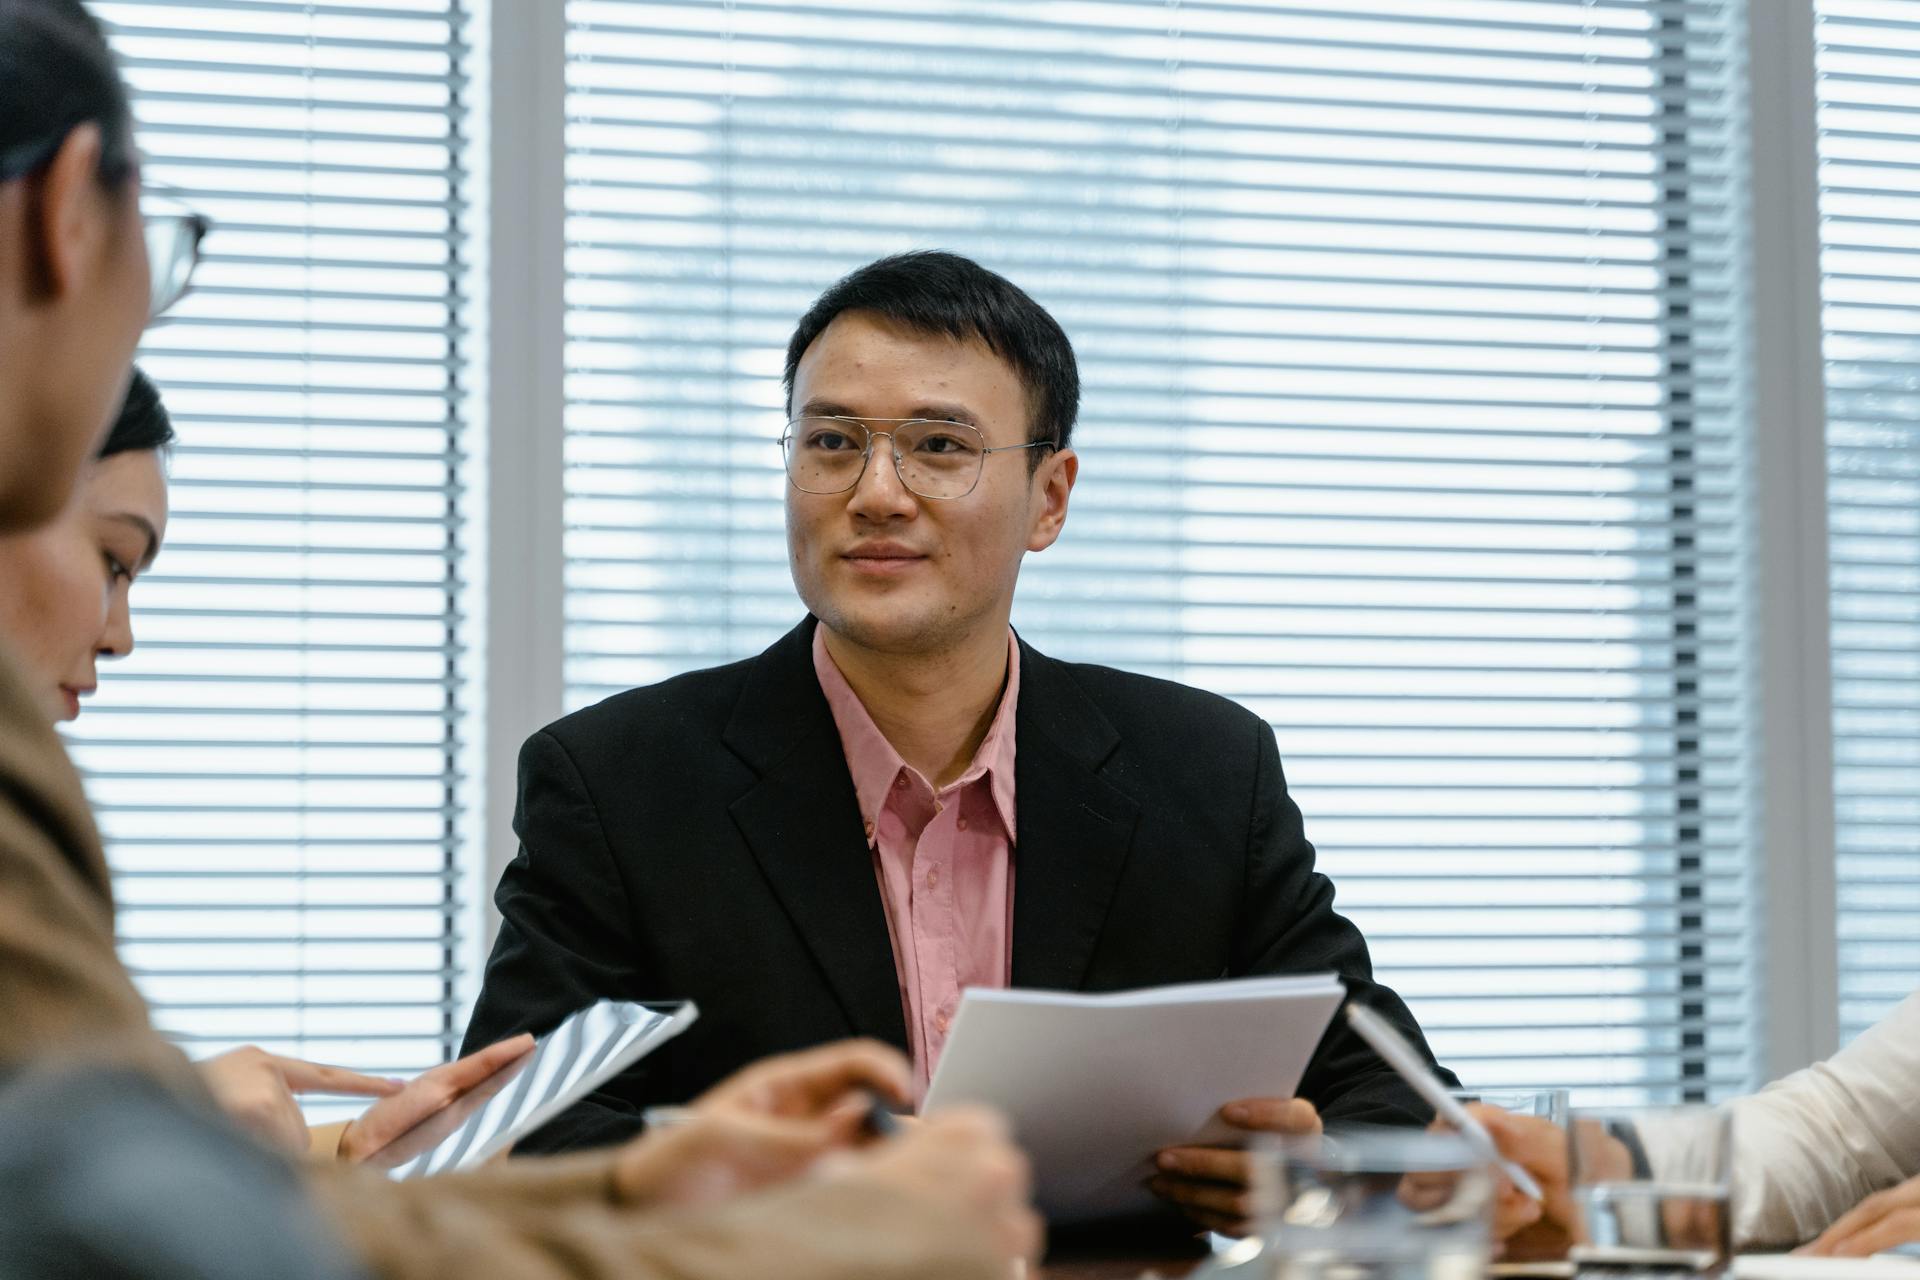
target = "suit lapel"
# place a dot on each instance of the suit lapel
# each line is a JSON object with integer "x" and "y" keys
{"x": 1075, "y": 828}
{"x": 802, "y": 822}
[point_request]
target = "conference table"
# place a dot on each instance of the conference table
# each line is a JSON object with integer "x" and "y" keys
{"x": 1117, "y": 1269}
{"x": 1127, "y": 1265}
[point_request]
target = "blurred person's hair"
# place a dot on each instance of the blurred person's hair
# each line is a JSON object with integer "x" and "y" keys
{"x": 57, "y": 73}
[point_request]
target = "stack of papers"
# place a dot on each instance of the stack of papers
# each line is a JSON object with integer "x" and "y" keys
{"x": 1781, "y": 1266}
{"x": 1096, "y": 1084}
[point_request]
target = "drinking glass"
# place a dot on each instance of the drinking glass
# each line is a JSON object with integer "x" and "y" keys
{"x": 1651, "y": 1190}
{"x": 1543, "y": 1104}
{"x": 1371, "y": 1205}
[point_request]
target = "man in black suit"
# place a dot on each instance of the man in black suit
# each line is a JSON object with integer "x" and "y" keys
{"x": 899, "y": 799}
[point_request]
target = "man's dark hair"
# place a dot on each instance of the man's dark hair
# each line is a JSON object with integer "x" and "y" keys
{"x": 57, "y": 73}
{"x": 143, "y": 422}
{"x": 944, "y": 293}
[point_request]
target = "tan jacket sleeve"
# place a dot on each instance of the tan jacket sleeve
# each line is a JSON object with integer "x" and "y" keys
{"x": 63, "y": 992}
{"x": 65, "y": 995}
{"x": 502, "y": 1222}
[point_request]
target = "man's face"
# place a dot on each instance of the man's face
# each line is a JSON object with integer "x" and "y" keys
{"x": 888, "y": 570}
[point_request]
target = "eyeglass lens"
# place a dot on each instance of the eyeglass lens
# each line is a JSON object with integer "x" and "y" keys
{"x": 173, "y": 250}
{"x": 934, "y": 459}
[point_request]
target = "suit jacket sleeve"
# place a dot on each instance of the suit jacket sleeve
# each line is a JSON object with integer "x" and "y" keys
{"x": 564, "y": 937}
{"x": 1289, "y": 925}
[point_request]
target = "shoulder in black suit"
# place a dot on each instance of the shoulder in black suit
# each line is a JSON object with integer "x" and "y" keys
{"x": 700, "y": 838}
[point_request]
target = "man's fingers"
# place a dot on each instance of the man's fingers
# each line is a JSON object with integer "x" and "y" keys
{"x": 1209, "y": 1197}
{"x": 1218, "y": 1164}
{"x": 1220, "y": 1223}
{"x": 1514, "y": 1213}
{"x": 314, "y": 1077}
{"x": 1428, "y": 1190}
{"x": 1272, "y": 1115}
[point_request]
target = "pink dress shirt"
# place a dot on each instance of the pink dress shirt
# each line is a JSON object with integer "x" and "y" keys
{"x": 944, "y": 859}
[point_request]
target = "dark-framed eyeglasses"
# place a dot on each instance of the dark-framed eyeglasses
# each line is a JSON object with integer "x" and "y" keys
{"x": 174, "y": 235}
{"x": 934, "y": 459}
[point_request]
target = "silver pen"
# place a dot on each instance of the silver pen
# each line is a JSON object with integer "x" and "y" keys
{"x": 1393, "y": 1047}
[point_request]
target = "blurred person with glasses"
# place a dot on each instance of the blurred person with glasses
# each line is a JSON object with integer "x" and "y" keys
{"x": 114, "y": 1160}
{"x": 902, "y": 798}
{"x": 65, "y": 603}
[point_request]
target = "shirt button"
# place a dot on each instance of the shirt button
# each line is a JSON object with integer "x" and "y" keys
{"x": 933, "y": 877}
{"x": 869, "y": 827}
{"x": 941, "y": 1023}
{"x": 900, "y": 783}
{"x": 961, "y": 824}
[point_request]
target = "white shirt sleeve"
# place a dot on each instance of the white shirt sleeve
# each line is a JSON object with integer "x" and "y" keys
{"x": 1811, "y": 1146}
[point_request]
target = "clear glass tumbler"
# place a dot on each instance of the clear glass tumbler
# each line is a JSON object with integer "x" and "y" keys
{"x": 1651, "y": 1190}
{"x": 1372, "y": 1205}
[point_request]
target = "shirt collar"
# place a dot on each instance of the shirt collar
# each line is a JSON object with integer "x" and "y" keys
{"x": 874, "y": 763}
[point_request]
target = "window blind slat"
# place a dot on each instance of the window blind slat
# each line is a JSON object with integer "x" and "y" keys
{"x": 1865, "y": 148}
{"x": 277, "y": 777}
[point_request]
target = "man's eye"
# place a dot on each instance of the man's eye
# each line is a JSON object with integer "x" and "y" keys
{"x": 116, "y": 570}
{"x": 830, "y": 441}
{"x": 943, "y": 444}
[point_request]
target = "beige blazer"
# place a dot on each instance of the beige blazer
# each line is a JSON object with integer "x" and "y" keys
{"x": 65, "y": 996}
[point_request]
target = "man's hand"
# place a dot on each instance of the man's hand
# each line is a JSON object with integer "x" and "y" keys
{"x": 959, "y": 1163}
{"x": 1525, "y": 1229}
{"x": 256, "y": 1089}
{"x": 1211, "y": 1184}
{"x": 425, "y": 1096}
{"x": 765, "y": 1124}
{"x": 1881, "y": 1221}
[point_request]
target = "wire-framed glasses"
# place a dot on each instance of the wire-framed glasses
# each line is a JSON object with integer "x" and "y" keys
{"x": 174, "y": 233}
{"x": 939, "y": 460}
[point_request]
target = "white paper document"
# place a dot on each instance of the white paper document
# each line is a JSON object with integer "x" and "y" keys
{"x": 1780, "y": 1266}
{"x": 1096, "y": 1084}
{"x": 589, "y": 1048}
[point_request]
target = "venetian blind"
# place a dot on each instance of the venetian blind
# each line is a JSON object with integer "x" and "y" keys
{"x": 276, "y": 766}
{"x": 1406, "y": 330}
{"x": 1868, "y": 85}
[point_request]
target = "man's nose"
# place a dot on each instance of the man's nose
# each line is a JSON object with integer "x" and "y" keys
{"x": 880, "y": 491}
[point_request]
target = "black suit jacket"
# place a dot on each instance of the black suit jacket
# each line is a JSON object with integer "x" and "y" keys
{"x": 700, "y": 838}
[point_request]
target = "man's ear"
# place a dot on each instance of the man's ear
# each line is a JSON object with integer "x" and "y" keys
{"x": 65, "y": 213}
{"x": 1052, "y": 487}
